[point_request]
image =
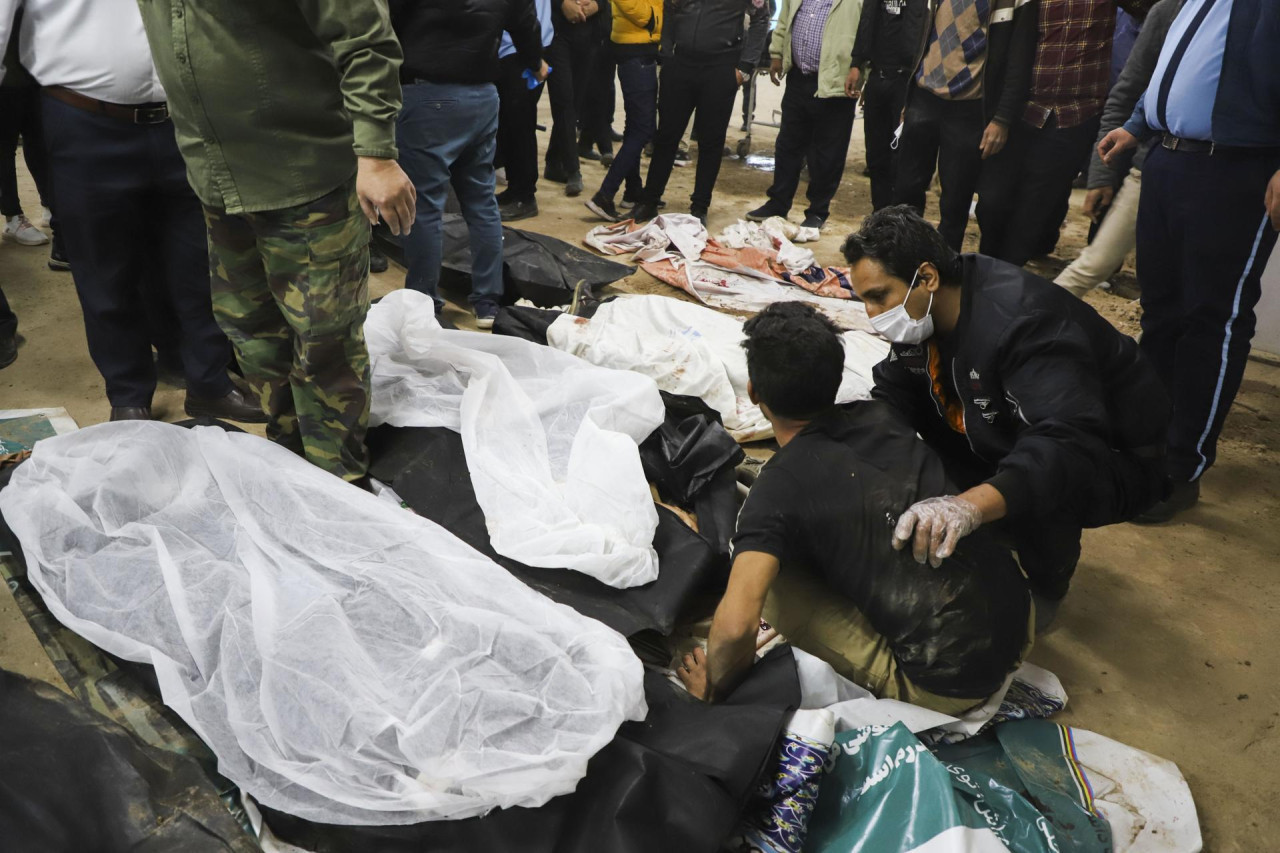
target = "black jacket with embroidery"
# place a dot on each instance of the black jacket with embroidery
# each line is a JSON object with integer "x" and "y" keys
{"x": 1050, "y": 392}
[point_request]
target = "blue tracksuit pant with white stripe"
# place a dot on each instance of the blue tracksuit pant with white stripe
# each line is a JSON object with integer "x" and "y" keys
{"x": 1203, "y": 241}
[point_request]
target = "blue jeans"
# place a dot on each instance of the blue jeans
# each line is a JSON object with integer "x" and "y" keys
{"x": 639, "y": 78}
{"x": 447, "y": 133}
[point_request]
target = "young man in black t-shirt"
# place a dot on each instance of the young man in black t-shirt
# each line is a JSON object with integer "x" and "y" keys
{"x": 813, "y": 551}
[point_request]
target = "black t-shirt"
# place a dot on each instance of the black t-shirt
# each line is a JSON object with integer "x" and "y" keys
{"x": 829, "y": 500}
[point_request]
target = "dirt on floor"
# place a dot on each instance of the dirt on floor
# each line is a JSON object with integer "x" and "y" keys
{"x": 1162, "y": 643}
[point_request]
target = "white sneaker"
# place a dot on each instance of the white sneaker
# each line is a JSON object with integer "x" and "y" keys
{"x": 46, "y": 217}
{"x": 20, "y": 230}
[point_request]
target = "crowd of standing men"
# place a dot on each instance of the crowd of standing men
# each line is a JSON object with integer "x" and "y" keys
{"x": 163, "y": 159}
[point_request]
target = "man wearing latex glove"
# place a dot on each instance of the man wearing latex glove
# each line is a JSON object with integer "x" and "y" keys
{"x": 285, "y": 113}
{"x": 935, "y": 526}
{"x": 1046, "y": 416}
{"x": 812, "y": 550}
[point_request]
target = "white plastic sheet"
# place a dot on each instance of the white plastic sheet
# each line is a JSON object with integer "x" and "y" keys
{"x": 551, "y": 441}
{"x": 347, "y": 661}
{"x": 689, "y": 349}
{"x": 1144, "y": 797}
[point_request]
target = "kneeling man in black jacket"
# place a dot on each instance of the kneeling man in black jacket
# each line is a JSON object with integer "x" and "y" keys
{"x": 812, "y": 549}
{"x": 1049, "y": 418}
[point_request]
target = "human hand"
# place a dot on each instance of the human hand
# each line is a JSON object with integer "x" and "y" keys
{"x": 1096, "y": 201}
{"x": 385, "y": 191}
{"x": 693, "y": 674}
{"x": 853, "y": 83}
{"x": 993, "y": 139}
{"x": 935, "y": 526}
{"x": 1116, "y": 143}
{"x": 543, "y": 71}
{"x": 1273, "y": 200}
{"x": 775, "y": 70}
{"x": 739, "y": 76}
{"x": 572, "y": 11}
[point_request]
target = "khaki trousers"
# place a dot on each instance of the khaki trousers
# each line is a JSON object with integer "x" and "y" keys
{"x": 827, "y": 625}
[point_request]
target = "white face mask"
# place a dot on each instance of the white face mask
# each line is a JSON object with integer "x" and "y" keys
{"x": 898, "y": 326}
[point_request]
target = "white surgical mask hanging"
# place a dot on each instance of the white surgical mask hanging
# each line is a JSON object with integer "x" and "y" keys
{"x": 899, "y": 327}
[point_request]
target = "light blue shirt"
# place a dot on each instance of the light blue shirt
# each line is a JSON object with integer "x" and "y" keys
{"x": 506, "y": 47}
{"x": 1193, "y": 89}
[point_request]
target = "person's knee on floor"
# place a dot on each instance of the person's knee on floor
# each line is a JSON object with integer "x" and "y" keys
{"x": 1047, "y": 409}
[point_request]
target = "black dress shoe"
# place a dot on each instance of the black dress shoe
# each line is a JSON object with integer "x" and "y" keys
{"x": 8, "y": 350}
{"x": 644, "y": 212}
{"x": 58, "y": 261}
{"x": 1184, "y": 497}
{"x": 377, "y": 261}
{"x": 814, "y": 222}
{"x": 232, "y": 407}
{"x": 700, "y": 213}
{"x": 573, "y": 186}
{"x": 763, "y": 212}
{"x": 514, "y": 210}
{"x": 130, "y": 413}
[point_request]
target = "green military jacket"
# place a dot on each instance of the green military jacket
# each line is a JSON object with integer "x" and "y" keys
{"x": 274, "y": 99}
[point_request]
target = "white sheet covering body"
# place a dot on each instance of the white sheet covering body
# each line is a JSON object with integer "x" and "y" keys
{"x": 347, "y": 660}
{"x": 689, "y": 349}
{"x": 551, "y": 441}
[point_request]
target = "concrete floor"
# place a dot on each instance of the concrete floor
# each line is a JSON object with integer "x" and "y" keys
{"x": 1164, "y": 642}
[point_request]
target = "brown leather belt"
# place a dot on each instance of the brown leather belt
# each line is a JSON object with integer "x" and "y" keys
{"x": 135, "y": 113}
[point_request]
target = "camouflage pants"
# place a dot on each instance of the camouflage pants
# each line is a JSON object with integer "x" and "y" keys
{"x": 291, "y": 289}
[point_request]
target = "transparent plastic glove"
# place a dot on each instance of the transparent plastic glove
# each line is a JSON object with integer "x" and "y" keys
{"x": 935, "y": 526}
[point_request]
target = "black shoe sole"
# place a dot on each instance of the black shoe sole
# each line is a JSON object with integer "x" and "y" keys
{"x": 601, "y": 212}
{"x": 199, "y": 412}
{"x": 516, "y": 217}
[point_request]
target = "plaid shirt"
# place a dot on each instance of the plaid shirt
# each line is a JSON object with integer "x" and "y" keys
{"x": 806, "y": 34}
{"x": 1072, "y": 71}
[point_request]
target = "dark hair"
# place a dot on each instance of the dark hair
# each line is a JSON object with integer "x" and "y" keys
{"x": 900, "y": 240}
{"x": 795, "y": 359}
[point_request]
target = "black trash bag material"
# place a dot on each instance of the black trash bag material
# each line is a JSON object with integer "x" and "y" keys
{"x": 72, "y": 780}
{"x": 542, "y": 269}
{"x": 677, "y": 781}
{"x": 691, "y": 458}
{"x": 427, "y": 467}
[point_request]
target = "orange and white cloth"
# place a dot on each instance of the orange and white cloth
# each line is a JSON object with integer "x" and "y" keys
{"x": 733, "y": 271}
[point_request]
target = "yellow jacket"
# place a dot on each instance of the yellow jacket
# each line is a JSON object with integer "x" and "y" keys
{"x": 637, "y": 22}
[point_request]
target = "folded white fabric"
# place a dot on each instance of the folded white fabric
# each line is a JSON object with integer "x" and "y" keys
{"x": 551, "y": 441}
{"x": 689, "y": 349}
{"x": 347, "y": 661}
